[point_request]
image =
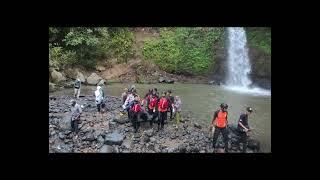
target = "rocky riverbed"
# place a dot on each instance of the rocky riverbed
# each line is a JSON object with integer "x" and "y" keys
{"x": 113, "y": 132}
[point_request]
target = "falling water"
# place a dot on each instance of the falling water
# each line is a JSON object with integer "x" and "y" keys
{"x": 239, "y": 65}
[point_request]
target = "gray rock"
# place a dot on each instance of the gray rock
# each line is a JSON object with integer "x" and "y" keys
{"x": 116, "y": 149}
{"x": 185, "y": 126}
{"x": 197, "y": 125}
{"x": 126, "y": 144}
{"x": 146, "y": 139}
{"x": 182, "y": 148}
{"x": 61, "y": 135}
{"x": 57, "y": 76}
{"x": 149, "y": 132}
{"x": 81, "y": 77}
{"x": 106, "y": 149}
{"x": 152, "y": 139}
{"x": 161, "y": 80}
{"x": 100, "y": 68}
{"x": 53, "y": 133}
{"x": 62, "y": 148}
{"x": 101, "y": 82}
{"x": 150, "y": 147}
{"x": 114, "y": 139}
{"x": 173, "y": 136}
{"x": 100, "y": 139}
{"x": 169, "y": 81}
{"x": 90, "y": 137}
{"x": 121, "y": 119}
{"x": 171, "y": 150}
{"x": 52, "y": 87}
{"x": 67, "y": 132}
{"x": 93, "y": 79}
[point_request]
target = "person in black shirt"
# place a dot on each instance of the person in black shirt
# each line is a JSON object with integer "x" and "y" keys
{"x": 243, "y": 128}
{"x": 171, "y": 102}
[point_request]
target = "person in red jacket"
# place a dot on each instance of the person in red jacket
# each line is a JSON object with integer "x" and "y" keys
{"x": 163, "y": 108}
{"x": 135, "y": 111}
{"x": 152, "y": 108}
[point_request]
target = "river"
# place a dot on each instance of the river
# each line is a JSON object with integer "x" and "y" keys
{"x": 203, "y": 100}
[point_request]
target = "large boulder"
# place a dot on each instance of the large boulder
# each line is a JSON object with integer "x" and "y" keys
{"x": 113, "y": 139}
{"x": 81, "y": 77}
{"x": 169, "y": 81}
{"x": 161, "y": 80}
{"x": 57, "y": 76}
{"x": 93, "y": 79}
{"x": 100, "y": 68}
{"x": 101, "y": 82}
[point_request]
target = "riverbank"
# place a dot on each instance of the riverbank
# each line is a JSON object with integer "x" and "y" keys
{"x": 114, "y": 133}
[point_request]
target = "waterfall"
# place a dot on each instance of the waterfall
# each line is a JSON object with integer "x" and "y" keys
{"x": 239, "y": 64}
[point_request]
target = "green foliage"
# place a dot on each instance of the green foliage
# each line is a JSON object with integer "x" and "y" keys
{"x": 261, "y": 38}
{"x": 59, "y": 57}
{"x": 165, "y": 51}
{"x": 184, "y": 50}
{"x": 121, "y": 43}
{"x": 89, "y": 45}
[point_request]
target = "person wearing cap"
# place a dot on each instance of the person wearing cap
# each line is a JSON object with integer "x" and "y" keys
{"x": 77, "y": 86}
{"x": 243, "y": 128}
{"x": 220, "y": 122}
{"x": 75, "y": 115}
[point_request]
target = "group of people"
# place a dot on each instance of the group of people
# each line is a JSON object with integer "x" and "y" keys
{"x": 157, "y": 108}
{"x": 219, "y": 125}
{"x": 151, "y": 105}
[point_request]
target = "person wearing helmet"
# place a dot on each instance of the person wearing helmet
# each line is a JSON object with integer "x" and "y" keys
{"x": 77, "y": 86}
{"x": 75, "y": 115}
{"x": 243, "y": 128}
{"x": 220, "y": 121}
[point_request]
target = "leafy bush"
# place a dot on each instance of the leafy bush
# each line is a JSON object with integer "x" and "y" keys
{"x": 184, "y": 50}
{"x": 89, "y": 45}
{"x": 260, "y": 38}
{"x": 58, "y": 57}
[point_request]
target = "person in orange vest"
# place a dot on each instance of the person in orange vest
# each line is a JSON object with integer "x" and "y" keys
{"x": 220, "y": 121}
{"x": 243, "y": 128}
{"x": 163, "y": 108}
